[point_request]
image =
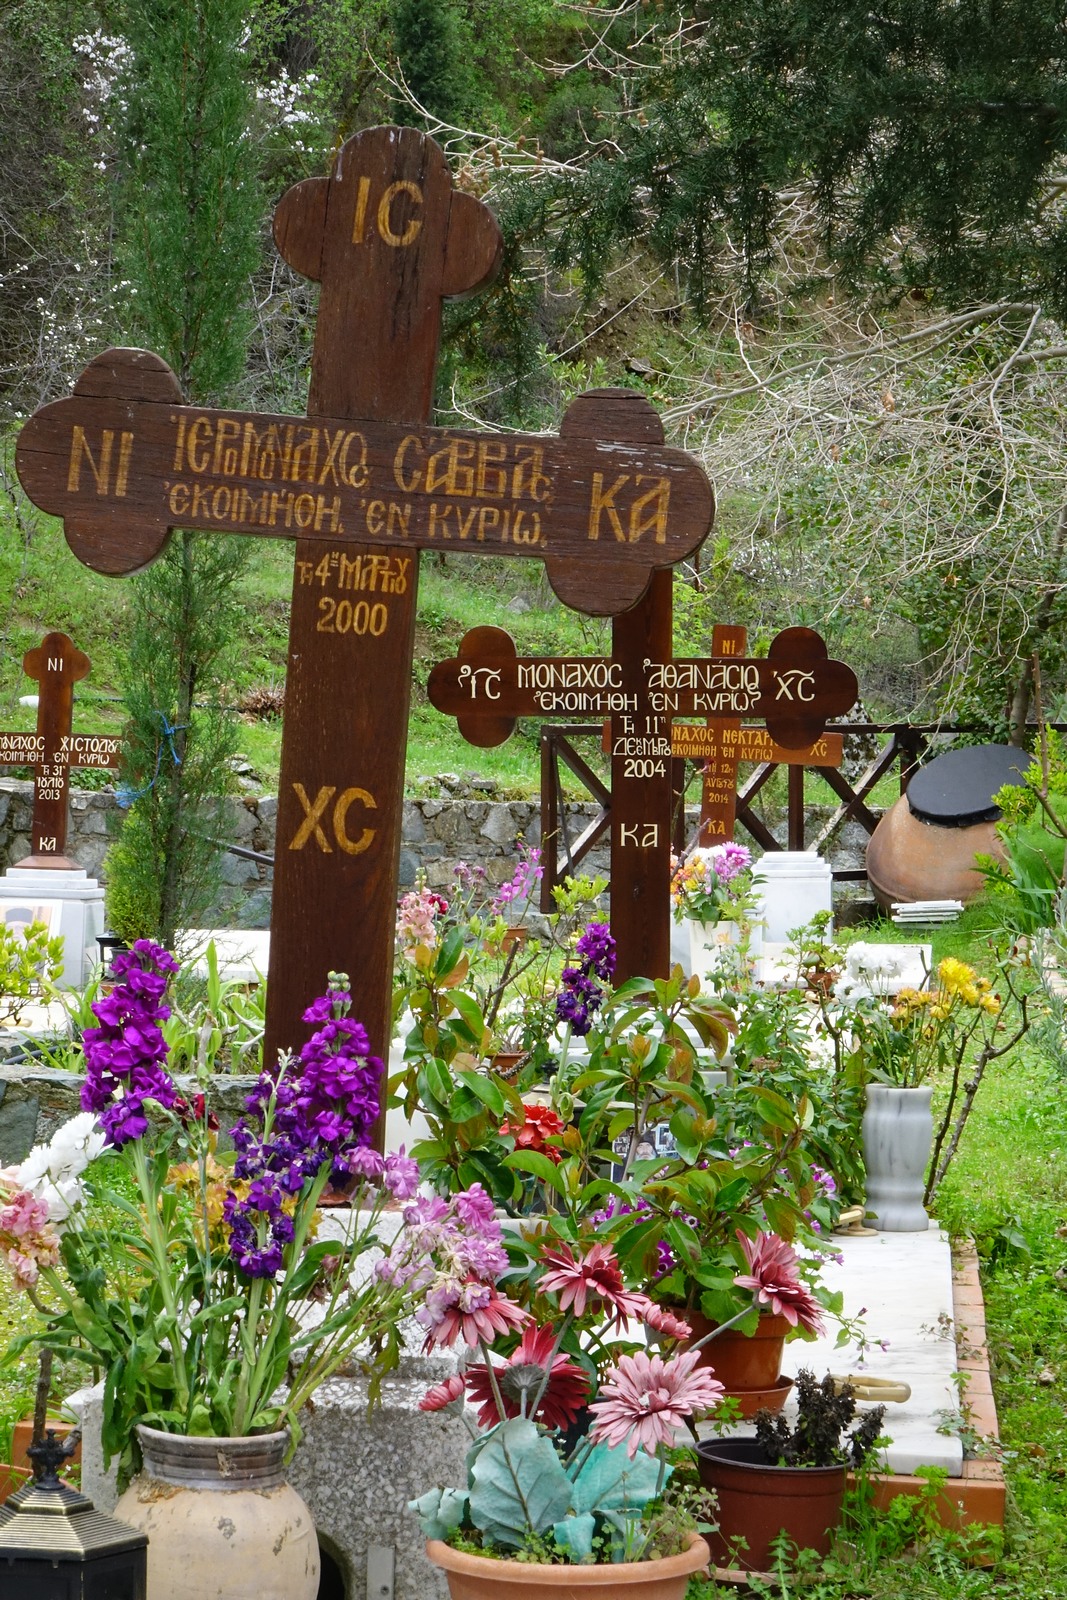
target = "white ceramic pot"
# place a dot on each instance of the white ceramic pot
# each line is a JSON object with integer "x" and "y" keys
{"x": 222, "y": 1521}
{"x": 710, "y": 942}
{"x": 897, "y": 1134}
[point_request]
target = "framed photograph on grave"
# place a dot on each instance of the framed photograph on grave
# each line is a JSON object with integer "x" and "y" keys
{"x": 656, "y": 1140}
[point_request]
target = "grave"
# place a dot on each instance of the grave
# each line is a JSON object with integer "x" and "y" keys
{"x": 47, "y": 886}
{"x": 640, "y": 688}
{"x": 362, "y": 484}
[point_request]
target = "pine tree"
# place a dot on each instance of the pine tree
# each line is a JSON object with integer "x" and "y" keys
{"x": 190, "y": 210}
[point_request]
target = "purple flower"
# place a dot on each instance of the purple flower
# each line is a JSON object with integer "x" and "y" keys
{"x": 315, "y": 1110}
{"x": 596, "y": 948}
{"x": 580, "y": 995}
{"x": 401, "y": 1175}
{"x": 124, "y": 1055}
{"x": 474, "y": 1208}
{"x": 521, "y": 884}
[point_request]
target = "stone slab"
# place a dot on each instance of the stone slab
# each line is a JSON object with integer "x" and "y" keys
{"x": 78, "y": 914}
{"x": 903, "y": 1284}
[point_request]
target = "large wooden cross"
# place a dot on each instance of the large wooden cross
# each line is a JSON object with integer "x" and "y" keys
{"x": 722, "y": 744}
{"x": 641, "y": 689}
{"x": 56, "y": 666}
{"x": 362, "y": 484}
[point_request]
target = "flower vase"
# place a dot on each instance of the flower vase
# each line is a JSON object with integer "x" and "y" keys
{"x": 475, "y": 1577}
{"x": 222, "y": 1521}
{"x": 710, "y": 942}
{"x": 897, "y": 1134}
{"x": 749, "y": 1366}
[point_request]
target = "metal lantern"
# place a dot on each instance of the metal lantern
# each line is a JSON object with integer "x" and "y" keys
{"x": 55, "y": 1545}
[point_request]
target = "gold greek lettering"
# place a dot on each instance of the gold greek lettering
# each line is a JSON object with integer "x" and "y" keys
{"x": 352, "y": 847}
{"x": 385, "y": 205}
{"x": 313, "y": 810}
{"x": 79, "y": 446}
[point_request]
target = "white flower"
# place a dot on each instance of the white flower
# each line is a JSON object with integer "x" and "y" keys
{"x": 52, "y": 1171}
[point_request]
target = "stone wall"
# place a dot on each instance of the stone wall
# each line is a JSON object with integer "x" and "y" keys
{"x": 468, "y": 824}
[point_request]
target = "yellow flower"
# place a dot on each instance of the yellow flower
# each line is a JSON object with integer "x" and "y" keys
{"x": 955, "y": 976}
{"x": 990, "y": 1003}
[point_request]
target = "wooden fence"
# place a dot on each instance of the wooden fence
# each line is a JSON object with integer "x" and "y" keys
{"x": 561, "y": 853}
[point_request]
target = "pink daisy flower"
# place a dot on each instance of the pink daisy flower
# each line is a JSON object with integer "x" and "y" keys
{"x": 665, "y": 1322}
{"x": 442, "y": 1394}
{"x": 645, "y": 1400}
{"x": 483, "y": 1317}
{"x": 522, "y": 1374}
{"x": 774, "y": 1280}
{"x": 596, "y": 1275}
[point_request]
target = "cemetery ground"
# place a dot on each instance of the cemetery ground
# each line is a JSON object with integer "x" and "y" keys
{"x": 1006, "y": 1191}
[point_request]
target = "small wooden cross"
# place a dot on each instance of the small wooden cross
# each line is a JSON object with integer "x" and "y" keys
{"x": 640, "y": 688}
{"x": 722, "y": 743}
{"x": 56, "y": 666}
{"x": 362, "y": 484}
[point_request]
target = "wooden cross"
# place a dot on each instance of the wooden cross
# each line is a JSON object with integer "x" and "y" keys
{"x": 362, "y": 484}
{"x": 56, "y": 666}
{"x": 722, "y": 743}
{"x": 640, "y": 688}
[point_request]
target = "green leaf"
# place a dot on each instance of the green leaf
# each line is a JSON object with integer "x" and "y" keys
{"x": 609, "y": 1481}
{"x": 539, "y": 1165}
{"x": 518, "y": 1485}
{"x": 485, "y": 1089}
{"x": 774, "y": 1109}
{"x": 576, "y": 1535}
{"x": 440, "y": 1511}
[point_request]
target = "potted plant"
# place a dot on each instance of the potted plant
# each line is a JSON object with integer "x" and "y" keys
{"x": 897, "y": 1045}
{"x": 787, "y": 1480}
{"x": 195, "y": 1282}
{"x": 712, "y": 890}
{"x": 569, "y": 1485}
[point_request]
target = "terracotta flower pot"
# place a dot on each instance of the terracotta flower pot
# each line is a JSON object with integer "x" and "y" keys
{"x": 473, "y": 1577}
{"x": 743, "y": 1361}
{"x": 759, "y": 1501}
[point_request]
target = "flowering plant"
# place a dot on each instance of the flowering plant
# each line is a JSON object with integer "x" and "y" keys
{"x": 904, "y": 1038}
{"x": 575, "y": 1417}
{"x": 713, "y": 884}
{"x": 195, "y": 1278}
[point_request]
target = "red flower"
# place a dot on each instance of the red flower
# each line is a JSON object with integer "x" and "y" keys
{"x": 522, "y": 1375}
{"x": 597, "y": 1275}
{"x": 442, "y": 1394}
{"x": 774, "y": 1280}
{"x": 533, "y": 1134}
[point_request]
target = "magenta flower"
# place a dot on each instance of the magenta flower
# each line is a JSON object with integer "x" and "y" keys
{"x": 521, "y": 1377}
{"x": 774, "y": 1280}
{"x": 645, "y": 1400}
{"x": 363, "y": 1162}
{"x": 401, "y": 1175}
{"x": 594, "y": 1276}
{"x": 442, "y": 1394}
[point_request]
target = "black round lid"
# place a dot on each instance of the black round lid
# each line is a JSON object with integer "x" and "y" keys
{"x": 956, "y": 789}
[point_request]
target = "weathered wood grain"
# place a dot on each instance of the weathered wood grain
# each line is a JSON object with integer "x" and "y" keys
{"x": 123, "y": 472}
{"x": 56, "y": 665}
